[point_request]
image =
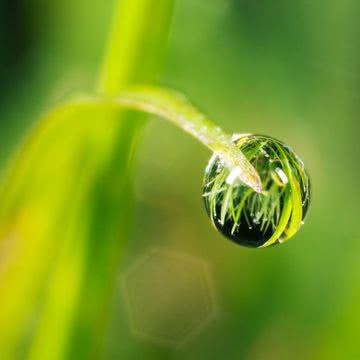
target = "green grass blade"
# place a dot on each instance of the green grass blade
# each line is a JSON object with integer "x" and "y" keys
{"x": 66, "y": 199}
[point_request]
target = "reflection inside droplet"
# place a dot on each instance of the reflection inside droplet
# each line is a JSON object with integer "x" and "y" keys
{"x": 259, "y": 219}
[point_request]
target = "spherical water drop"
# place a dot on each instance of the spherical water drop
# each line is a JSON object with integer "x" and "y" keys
{"x": 252, "y": 219}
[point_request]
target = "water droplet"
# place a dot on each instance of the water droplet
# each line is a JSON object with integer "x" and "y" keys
{"x": 259, "y": 220}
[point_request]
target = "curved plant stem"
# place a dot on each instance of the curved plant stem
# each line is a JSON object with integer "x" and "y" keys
{"x": 75, "y": 254}
{"x": 173, "y": 106}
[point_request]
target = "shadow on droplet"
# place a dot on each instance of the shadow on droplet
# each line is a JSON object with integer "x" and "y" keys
{"x": 170, "y": 297}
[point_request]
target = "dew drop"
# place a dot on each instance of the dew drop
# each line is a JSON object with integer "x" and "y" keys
{"x": 259, "y": 220}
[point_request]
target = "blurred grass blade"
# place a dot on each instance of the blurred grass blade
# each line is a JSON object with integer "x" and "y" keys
{"x": 66, "y": 205}
{"x": 49, "y": 214}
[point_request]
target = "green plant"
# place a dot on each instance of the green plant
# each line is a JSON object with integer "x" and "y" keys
{"x": 66, "y": 204}
{"x": 67, "y": 189}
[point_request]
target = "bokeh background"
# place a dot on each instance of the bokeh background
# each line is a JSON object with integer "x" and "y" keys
{"x": 286, "y": 69}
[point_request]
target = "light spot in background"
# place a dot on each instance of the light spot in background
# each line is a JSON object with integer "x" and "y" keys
{"x": 279, "y": 340}
{"x": 74, "y": 81}
{"x": 7, "y": 247}
{"x": 170, "y": 297}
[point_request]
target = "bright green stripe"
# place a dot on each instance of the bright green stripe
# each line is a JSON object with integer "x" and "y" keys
{"x": 296, "y": 216}
{"x": 136, "y": 45}
{"x": 225, "y": 204}
{"x": 284, "y": 219}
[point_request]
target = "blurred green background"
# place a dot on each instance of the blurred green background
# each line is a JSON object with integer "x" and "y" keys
{"x": 286, "y": 69}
